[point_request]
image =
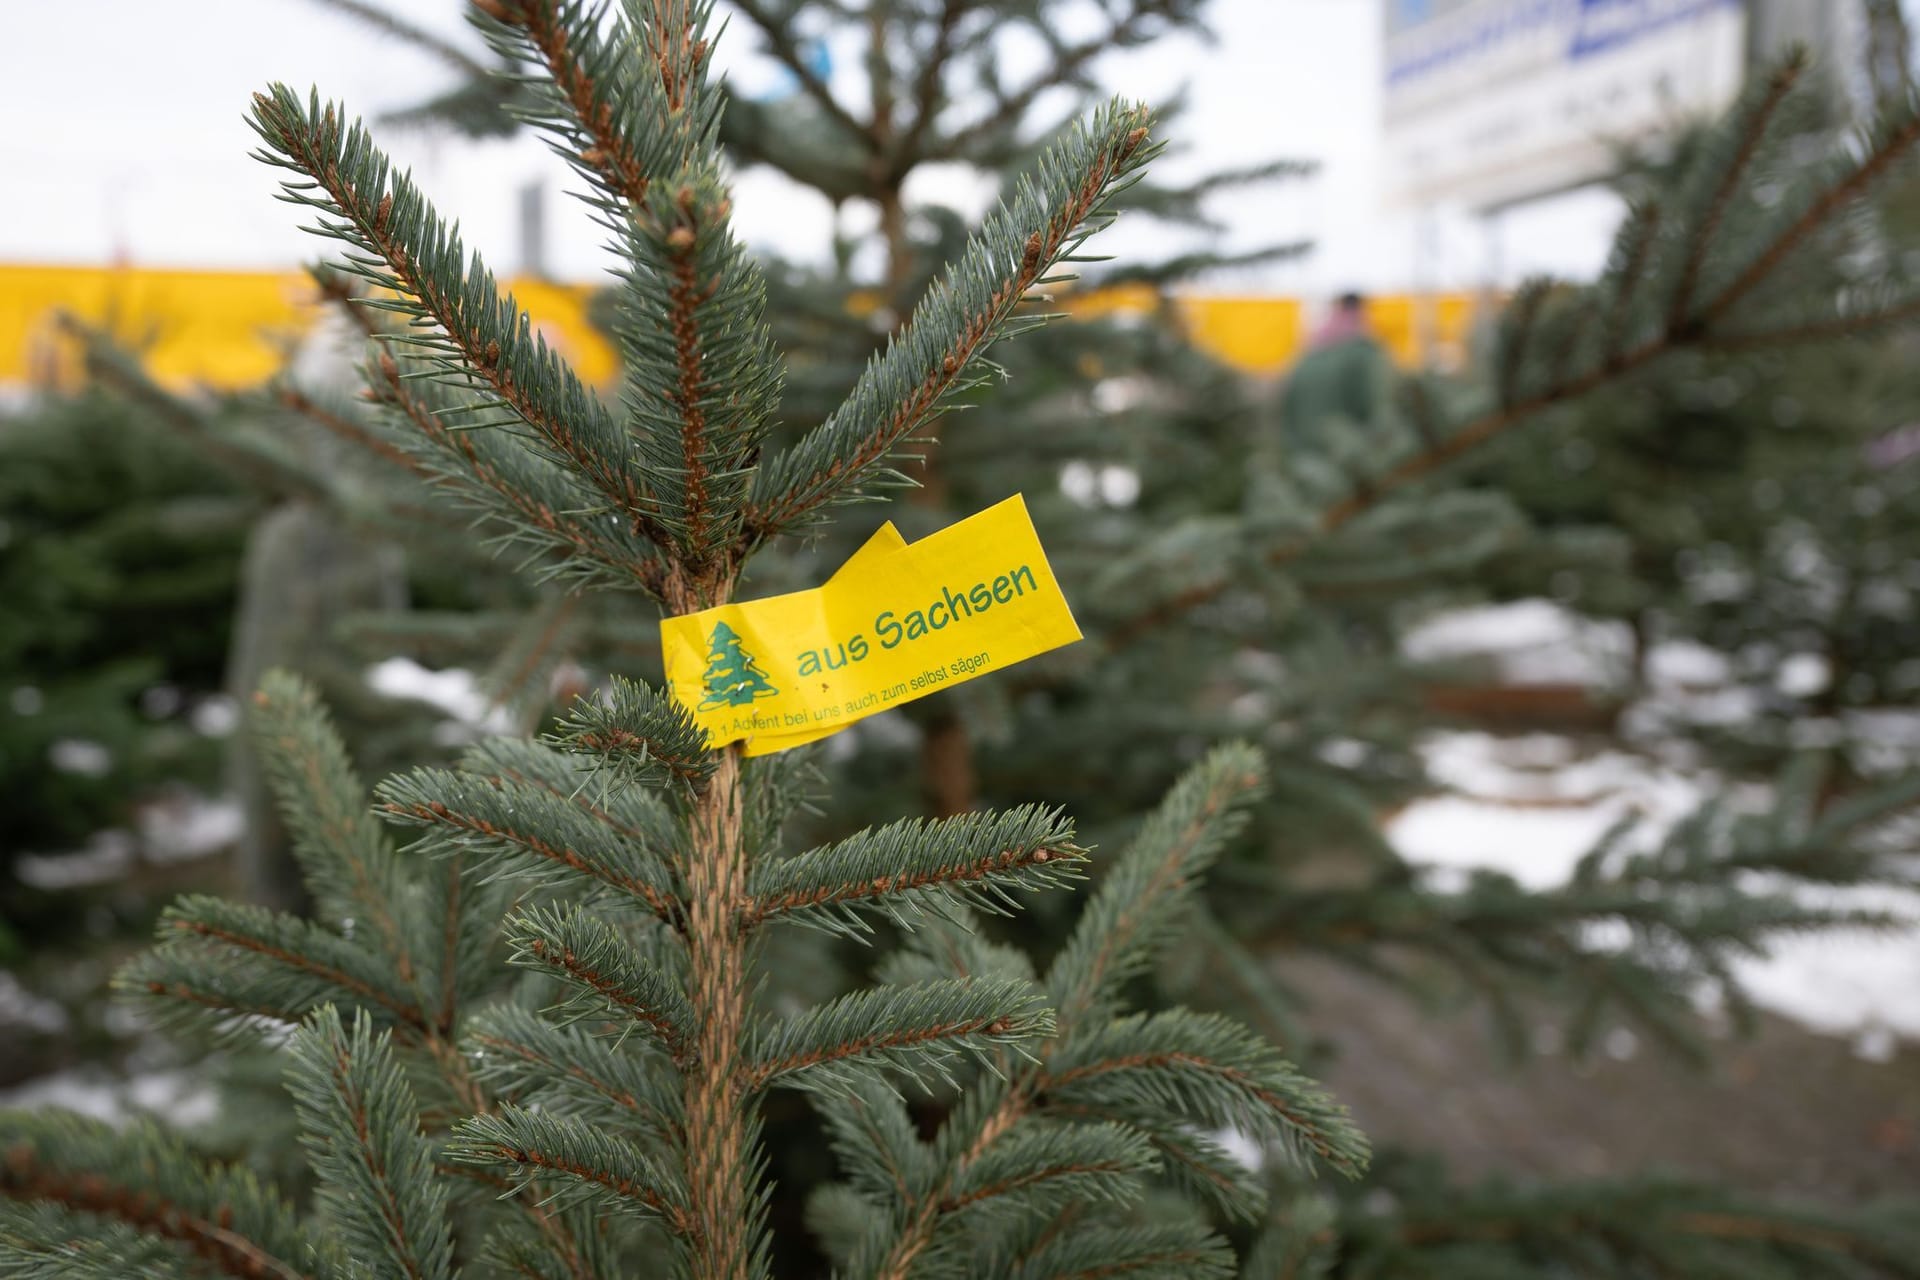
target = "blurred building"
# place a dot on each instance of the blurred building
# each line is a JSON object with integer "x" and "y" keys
{"x": 1491, "y": 103}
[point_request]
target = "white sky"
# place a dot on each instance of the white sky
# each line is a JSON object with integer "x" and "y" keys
{"x": 123, "y": 136}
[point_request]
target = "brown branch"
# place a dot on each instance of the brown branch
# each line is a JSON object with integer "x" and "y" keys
{"x": 1833, "y": 199}
{"x": 1020, "y": 1181}
{"x": 673, "y": 1214}
{"x": 567, "y": 962}
{"x": 1778, "y": 84}
{"x": 213, "y": 1240}
{"x": 974, "y": 333}
{"x": 392, "y": 390}
{"x": 450, "y": 949}
{"x": 1521, "y": 329}
{"x": 410, "y": 1016}
{"x": 1646, "y": 226}
{"x": 482, "y": 360}
{"x": 1068, "y": 63}
{"x": 1275, "y": 1102}
{"x": 1470, "y": 437}
{"x": 433, "y": 811}
{"x": 781, "y": 44}
{"x": 419, "y": 37}
{"x": 926, "y": 90}
{"x": 759, "y": 1073}
{"x": 352, "y": 432}
{"x": 105, "y": 362}
{"x": 758, "y": 909}
{"x": 389, "y": 1202}
{"x": 610, "y": 154}
{"x": 718, "y": 1162}
{"x": 1810, "y": 332}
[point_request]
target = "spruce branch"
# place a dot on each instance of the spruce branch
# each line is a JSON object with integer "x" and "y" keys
{"x": 452, "y": 55}
{"x": 1041, "y": 1169}
{"x": 1754, "y": 117}
{"x": 1206, "y": 1069}
{"x": 345, "y": 859}
{"x": 701, "y": 375}
{"x": 1051, "y": 214}
{"x": 1175, "y": 1251}
{"x": 975, "y": 860}
{"x": 472, "y": 334}
{"x": 148, "y": 1181}
{"x": 1118, "y": 933}
{"x": 574, "y": 1162}
{"x": 293, "y": 965}
{"x": 441, "y": 428}
{"x": 918, "y": 1030}
{"x": 590, "y": 98}
{"x": 528, "y": 831}
{"x": 341, "y": 427}
{"x": 361, "y": 1130}
{"x": 1140, "y": 898}
{"x": 566, "y": 1071}
{"x": 635, "y": 813}
{"x": 644, "y": 735}
{"x": 110, "y": 363}
{"x": 43, "y": 1241}
{"x": 607, "y": 977}
{"x": 874, "y": 1137}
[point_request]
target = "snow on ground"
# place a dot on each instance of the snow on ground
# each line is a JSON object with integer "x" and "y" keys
{"x": 94, "y": 1091}
{"x": 1517, "y": 812}
{"x": 453, "y": 691}
{"x": 1534, "y": 642}
{"x": 1530, "y": 806}
{"x": 175, "y": 827}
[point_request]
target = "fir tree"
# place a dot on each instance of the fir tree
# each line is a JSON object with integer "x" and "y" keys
{"x": 630, "y": 868}
{"x": 1297, "y": 607}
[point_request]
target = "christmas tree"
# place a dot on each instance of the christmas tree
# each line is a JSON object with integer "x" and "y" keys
{"x": 629, "y": 867}
{"x": 1283, "y": 622}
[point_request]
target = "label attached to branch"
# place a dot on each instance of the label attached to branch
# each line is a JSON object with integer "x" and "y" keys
{"x": 895, "y": 623}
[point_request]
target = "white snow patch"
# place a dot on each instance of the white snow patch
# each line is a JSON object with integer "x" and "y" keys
{"x": 454, "y": 691}
{"x": 19, "y": 1007}
{"x": 82, "y": 756}
{"x": 189, "y": 826}
{"x": 215, "y": 717}
{"x": 107, "y": 855}
{"x": 1682, "y": 662}
{"x": 1533, "y": 641}
{"x": 1516, "y": 809}
{"x": 176, "y": 1095}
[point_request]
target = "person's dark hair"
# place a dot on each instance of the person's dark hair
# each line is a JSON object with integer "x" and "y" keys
{"x": 1351, "y": 301}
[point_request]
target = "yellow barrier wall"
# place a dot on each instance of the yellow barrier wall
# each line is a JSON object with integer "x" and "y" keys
{"x": 230, "y": 329}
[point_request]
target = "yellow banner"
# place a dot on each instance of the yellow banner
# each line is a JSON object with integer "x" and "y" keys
{"x": 897, "y": 622}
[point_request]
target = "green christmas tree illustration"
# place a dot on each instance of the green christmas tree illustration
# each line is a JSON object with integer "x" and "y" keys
{"x": 731, "y": 678}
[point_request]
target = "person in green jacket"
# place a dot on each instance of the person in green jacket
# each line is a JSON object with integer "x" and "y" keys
{"x": 1341, "y": 384}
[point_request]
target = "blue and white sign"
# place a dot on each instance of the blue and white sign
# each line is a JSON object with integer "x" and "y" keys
{"x": 1493, "y": 101}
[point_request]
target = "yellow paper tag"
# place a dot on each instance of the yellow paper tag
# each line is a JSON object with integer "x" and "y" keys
{"x": 885, "y": 540}
{"x": 894, "y": 624}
